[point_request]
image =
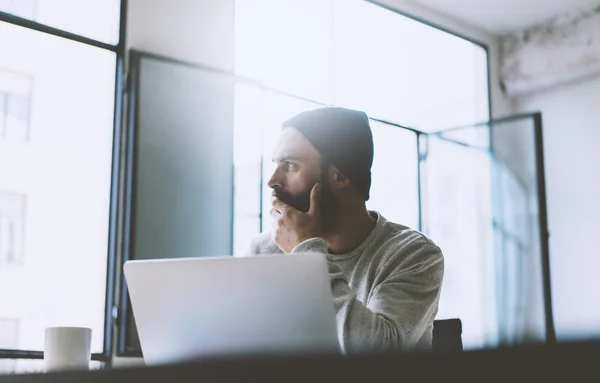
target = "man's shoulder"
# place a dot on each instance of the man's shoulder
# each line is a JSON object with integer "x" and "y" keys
{"x": 263, "y": 244}
{"x": 407, "y": 236}
{"x": 406, "y": 245}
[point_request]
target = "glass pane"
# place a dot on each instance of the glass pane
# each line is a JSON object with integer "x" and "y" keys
{"x": 401, "y": 70}
{"x": 277, "y": 108}
{"x": 55, "y": 185}
{"x": 482, "y": 200}
{"x": 458, "y": 198}
{"x": 517, "y": 228}
{"x": 394, "y": 186}
{"x": 247, "y": 166}
{"x": 287, "y": 45}
{"x": 246, "y": 227}
{"x": 183, "y": 162}
{"x": 98, "y": 19}
{"x": 184, "y": 169}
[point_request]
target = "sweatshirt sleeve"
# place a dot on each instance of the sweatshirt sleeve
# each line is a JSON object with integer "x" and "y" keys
{"x": 262, "y": 244}
{"x": 400, "y": 308}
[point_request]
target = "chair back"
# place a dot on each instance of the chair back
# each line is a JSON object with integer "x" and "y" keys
{"x": 447, "y": 335}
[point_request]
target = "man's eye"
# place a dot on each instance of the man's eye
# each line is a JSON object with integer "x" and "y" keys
{"x": 289, "y": 165}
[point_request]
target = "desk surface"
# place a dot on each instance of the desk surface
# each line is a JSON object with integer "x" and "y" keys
{"x": 566, "y": 362}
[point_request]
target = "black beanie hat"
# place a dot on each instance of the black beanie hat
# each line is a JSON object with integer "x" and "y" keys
{"x": 343, "y": 137}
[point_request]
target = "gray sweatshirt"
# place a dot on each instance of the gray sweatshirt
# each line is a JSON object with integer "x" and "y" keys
{"x": 386, "y": 291}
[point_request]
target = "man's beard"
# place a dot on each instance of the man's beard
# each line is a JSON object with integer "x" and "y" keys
{"x": 330, "y": 205}
{"x": 300, "y": 201}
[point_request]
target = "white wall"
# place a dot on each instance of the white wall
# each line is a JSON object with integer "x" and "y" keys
{"x": 571, "y": 120}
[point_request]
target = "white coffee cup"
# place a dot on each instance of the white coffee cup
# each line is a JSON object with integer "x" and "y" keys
{"x": 67, "y": 348}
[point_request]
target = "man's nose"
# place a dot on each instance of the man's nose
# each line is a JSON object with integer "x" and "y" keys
{"x": 275, "y": 181}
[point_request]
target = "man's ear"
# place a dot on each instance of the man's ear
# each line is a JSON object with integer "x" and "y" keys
{"x": 338, "y": 179}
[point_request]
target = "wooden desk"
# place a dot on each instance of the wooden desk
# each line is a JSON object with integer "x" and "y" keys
{"x": 564, "y": 363}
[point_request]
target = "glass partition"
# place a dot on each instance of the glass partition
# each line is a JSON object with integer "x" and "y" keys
{"x": 477, "y": 191}
{"x": 485, "y": 206}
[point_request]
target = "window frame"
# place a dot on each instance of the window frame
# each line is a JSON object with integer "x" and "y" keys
{"x": 123, "y": 309}
{"x": 119, "y": 50}
{"x": 113, "y": 313}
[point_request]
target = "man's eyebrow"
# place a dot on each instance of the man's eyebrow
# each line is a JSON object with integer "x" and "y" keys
{"x": 289, "y": 158}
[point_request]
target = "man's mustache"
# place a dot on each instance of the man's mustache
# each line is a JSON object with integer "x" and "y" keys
{"x": 301, "y": 202}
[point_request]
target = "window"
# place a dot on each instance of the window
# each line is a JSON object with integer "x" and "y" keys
{"x": 57, "y": 123}
{"x": 299, "y": 55}
{"x": 520, "y": 307}
{"x": 15, "y": 105}
{"x": 275, "y": 45}
{"x": 12, "y": 227}
{"x": 359, "y": 55}
{"x": 458, "y": 196}
{"x": 247, "y": 165}
{"x": 394, "y": 174}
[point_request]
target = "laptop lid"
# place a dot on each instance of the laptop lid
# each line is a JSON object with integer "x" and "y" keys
{"x": 192, "y": 308}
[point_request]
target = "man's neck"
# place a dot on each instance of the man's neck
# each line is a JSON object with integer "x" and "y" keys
{"x": 352, "y": 228}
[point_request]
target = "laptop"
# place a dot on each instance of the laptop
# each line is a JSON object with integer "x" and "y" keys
{"x": 193, "y": 308}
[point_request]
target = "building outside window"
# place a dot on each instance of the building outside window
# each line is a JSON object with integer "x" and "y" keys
{"x": 15, "y": 105}
{"x": 12, "y": 227}
{"x": 57, "y": 121}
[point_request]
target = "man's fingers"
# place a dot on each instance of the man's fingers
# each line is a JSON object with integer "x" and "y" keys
{"x": 315, "y": 200}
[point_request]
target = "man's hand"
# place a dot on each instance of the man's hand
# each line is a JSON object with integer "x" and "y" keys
{"x": 291, "y": 226}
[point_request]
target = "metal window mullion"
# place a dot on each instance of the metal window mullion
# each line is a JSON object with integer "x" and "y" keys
{"x": 33, "y": 25}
